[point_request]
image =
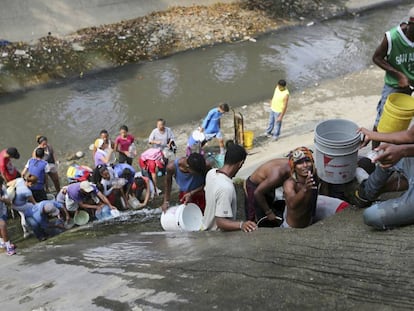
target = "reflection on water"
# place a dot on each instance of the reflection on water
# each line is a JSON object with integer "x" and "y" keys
{"x": 228, "y": 66}
{"x": 184, "y": 87}
{"x": 168, "y": 81}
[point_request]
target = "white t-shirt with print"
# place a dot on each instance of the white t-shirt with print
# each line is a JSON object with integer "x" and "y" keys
{"x": 221, "y": 199}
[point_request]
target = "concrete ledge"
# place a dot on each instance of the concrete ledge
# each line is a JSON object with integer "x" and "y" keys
{"x": 355, "y": 6}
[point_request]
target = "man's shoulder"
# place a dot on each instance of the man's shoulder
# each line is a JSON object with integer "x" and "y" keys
{"x": 289, "y": 182}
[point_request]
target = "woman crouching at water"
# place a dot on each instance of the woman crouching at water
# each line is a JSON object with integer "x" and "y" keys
{"x": 111, "y": 186}
{"x": 49, "y": 157}
{"x": 23, "y": 198}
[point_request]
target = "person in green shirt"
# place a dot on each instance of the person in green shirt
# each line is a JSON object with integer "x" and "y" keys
{"x": 395, "y": 55}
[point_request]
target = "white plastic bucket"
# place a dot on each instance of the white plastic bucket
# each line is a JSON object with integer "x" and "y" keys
{"x": 337, "y": 143}
{"x": 182, "y": 218}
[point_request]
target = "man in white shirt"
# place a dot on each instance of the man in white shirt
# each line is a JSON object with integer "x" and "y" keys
{"x": 162, "y": 136}
{"x": 221, "y": 200}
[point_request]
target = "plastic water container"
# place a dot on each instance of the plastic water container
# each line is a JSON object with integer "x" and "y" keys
{"x": 248, "y": 137}
{"x": 132, "y": 149}
{"x": 337, "y": 143}
{"x": 103, "y": 213}
{"x": 397, "y": 114}
{"x": 81, "y": 218}
{"x": 182, "y": 218}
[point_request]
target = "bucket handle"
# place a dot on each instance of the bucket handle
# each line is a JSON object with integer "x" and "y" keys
{"x": 265, "y": 217}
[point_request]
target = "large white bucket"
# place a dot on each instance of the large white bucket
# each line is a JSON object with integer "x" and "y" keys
{"x": 182, "y": 218}
{"x": 337, "y": 143}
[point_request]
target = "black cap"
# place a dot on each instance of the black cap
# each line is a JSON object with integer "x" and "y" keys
{"x": 13, "y": 153}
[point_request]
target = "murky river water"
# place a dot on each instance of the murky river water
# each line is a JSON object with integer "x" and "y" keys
{"x": 183, "y": 87}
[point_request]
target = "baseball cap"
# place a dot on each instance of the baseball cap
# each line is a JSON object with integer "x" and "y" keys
{"x": 86, "y": 186}
{"x": 100, "y": 142}
{"x": 50, "y": 209}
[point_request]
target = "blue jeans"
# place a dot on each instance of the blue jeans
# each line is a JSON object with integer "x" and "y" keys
{"x": 36, "y": 227}
{"x": 393, "y": 212}
{"x": 273, "y": 124}
{"x": 41, "y": 232}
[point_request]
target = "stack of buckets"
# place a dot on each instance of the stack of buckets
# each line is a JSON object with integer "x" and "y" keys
{"x": 336, "y": 158}
{"x": 397, "y": 114}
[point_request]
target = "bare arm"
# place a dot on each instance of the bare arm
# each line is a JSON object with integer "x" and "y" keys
{"x": 105, "y": 200}
{"x": 168, "y": 185}
{"x": 147, "y": 192}
{"x": 403, "y": 137}
{"x": 85, "y": 205}
{"x": 66, "y": 213}
{"x": 285, "y": 104}
{"x": 391, "y": 154}
{"x": 226, "y": 224}
{"x": 273, "y": 181}
{"x": 187, "y": 197}
{"x": 116, "y": 146}
{"x": 379, "y": 59}
{"x": 24, "y": 171}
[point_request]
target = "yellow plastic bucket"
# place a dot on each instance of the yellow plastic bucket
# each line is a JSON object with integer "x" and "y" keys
{"x": 397, "y": 114}
{"x": 248, "y": 137}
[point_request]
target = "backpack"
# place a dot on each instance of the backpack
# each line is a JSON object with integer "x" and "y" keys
{"x": 77, "y": 173}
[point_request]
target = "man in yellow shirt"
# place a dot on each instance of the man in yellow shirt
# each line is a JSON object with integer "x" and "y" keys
{"x": 277, "y": 110}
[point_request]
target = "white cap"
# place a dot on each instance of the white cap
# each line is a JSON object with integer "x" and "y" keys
{"x": 86, "y": 186}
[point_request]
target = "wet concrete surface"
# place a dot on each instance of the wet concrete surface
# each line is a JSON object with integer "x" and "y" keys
{"x": 337, "y": 264}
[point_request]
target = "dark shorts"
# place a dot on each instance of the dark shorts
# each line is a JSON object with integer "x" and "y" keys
{"x": 198, "y": 198}
{"x": 256, "y": 213}
{"x": 250, "y": 202}
{"x": 122, "y": 158}
{"x": 39, "y": 195}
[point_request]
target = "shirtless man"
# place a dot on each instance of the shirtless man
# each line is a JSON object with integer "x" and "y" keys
{"x": 303, "y": 204}
{"x": 260, "y": 189}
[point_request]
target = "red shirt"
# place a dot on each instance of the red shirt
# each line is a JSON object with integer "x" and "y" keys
{"x": 6, "y": 167}
{"x": 124, "y": 143}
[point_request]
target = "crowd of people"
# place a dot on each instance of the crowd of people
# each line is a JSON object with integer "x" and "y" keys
{"x": 121, "y": 175}
{"x": 120, "y": 179}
